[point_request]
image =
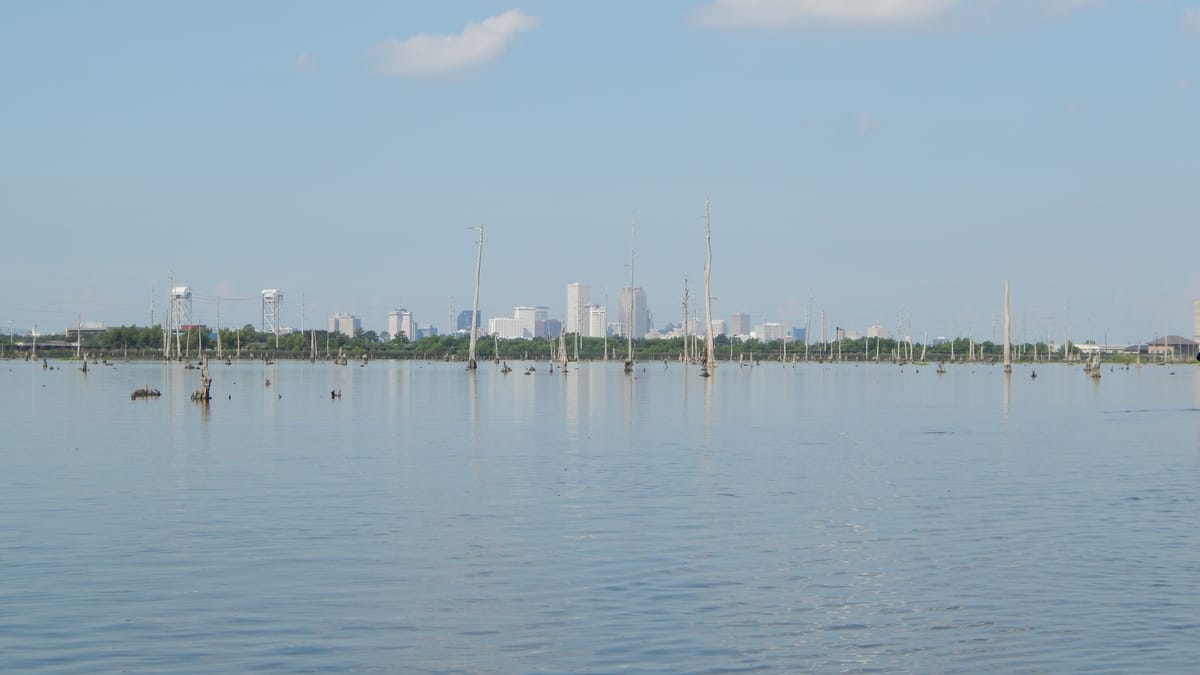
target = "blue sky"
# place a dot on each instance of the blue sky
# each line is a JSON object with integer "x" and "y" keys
{"x": 870, "y": 159}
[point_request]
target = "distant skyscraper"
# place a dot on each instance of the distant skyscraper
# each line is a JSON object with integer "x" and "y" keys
{"x": 464, "y": 320}
{"x": 407, "y": 325}
{"x": 541, "y": 317}
{"x": 401, "y": 321}
{"x": 739, "y": 324}
{"x": 526, "y": 322}
{"x": 579, "y": 295}
{"x": 597, "y": 322}
{"x": 393, "y": 323}
{"x": 505, "y": 327}
{"x": 346, "y": 324}
{"x": 634, "y": 311}
{"x": 769, "y": 331}
{"x": 527, "y": 318}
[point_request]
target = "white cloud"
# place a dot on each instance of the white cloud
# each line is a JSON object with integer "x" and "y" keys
{"x": 1191, "y": 20}
{"x": 1058, "y": 8}
{"x": 865, "y": 123}
{"x": 783, "y": 13}
{"x": 1071, "y": 5}
{"x": 427, "y": 54}
{"x": 305, "y": 63}
{"x": 794, "y": 13}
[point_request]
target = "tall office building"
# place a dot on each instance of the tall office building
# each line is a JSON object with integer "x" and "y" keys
{"x": 739, "y": 324}
{"x": 634, "y": 313}
{"x": 527, "y": 320}
{"x": 401, "y": 321}
{"x": 505, "y": 327}
{"x": 393, "y": 323}
{"x": 346, "y": 324}
{"x": 770, "y": 331}
{"x": 464, "y": 320}
{"x": 597, "y": 322}
{"x": 579, "y": 295}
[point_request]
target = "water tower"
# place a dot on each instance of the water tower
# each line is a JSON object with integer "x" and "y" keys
{"x": 181, "y": 307}
{"x": 272, "y": 311}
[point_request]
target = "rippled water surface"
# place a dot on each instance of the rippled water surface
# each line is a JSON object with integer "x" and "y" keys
{"x": 809, "y": 518}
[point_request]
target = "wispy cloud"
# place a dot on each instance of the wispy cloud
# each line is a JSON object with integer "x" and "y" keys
{"x": 430, "y": 54}
{"x": 784, "y": 13}
{"x": 801, "y": 13}
{"x": 1065, "y": 6}
{"x": 865, "y": 123}
{"x": 305, "y": 63}
{"x": 1191, "y": 20}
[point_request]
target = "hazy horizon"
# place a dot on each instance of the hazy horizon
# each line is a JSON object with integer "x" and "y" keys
{"x": 880, "y": 162}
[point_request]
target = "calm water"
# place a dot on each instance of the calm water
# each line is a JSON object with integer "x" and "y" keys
{"x": 815, "y": 518}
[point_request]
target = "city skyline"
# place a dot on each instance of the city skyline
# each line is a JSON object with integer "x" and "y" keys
{"x": 875, "y": 163}
{"x": 528, "y": 321}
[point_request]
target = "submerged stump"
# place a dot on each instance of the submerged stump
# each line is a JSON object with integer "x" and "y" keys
{"x": 203, "y": 394}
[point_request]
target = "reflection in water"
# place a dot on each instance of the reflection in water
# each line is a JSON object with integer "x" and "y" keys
{"x": 598, "y": 390}
{"x": 631, "y": 399}
{"x": 685, "y": 384}
{"x": 1007, "y": 393}
{"x": 571, "y": 390}
{"x": 473, "y": 407}
{"x": 708, "y": 404}
{"x": 1196, "y": 398}
{"x": 400, "y": 391}
{"x": 843, "y": 518}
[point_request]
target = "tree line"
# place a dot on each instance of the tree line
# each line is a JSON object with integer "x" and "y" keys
{"x": 147, "y": 342}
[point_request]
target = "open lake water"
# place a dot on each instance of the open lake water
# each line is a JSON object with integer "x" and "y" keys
{"x": 807, "y": 518}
